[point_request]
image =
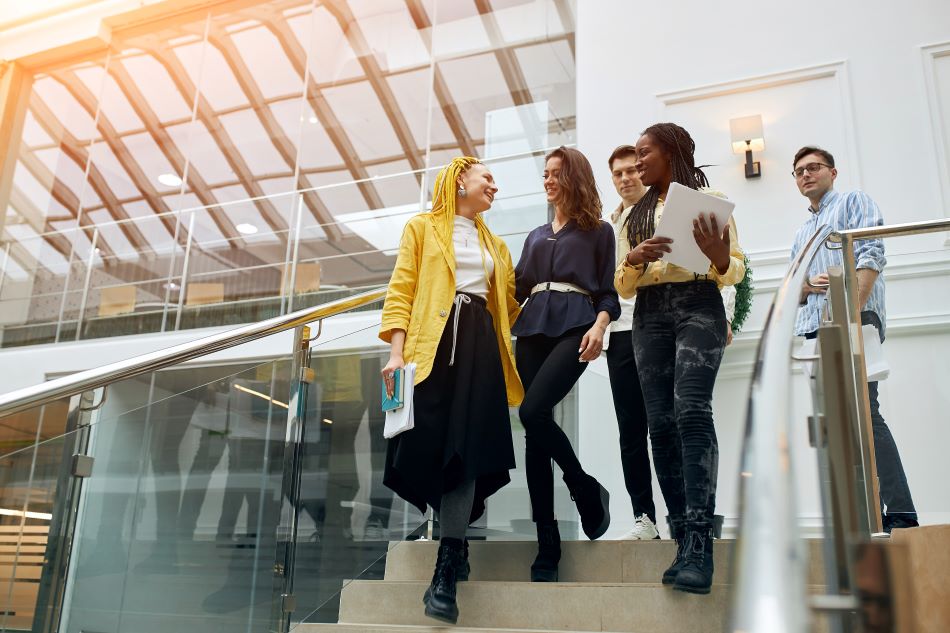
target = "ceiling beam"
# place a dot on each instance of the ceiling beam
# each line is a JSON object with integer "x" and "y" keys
{"x": 449, "y": 110}
{"x": 283, "y": 145}
{"x": 364, "y": 53}
{"x": 321, "y": 108}
{"x": 38, "y": 222}
{"x": 270, "y": 214}
{"x": 510, "y": 68}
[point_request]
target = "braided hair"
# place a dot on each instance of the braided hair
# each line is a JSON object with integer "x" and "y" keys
{"x": 680, "y": 147}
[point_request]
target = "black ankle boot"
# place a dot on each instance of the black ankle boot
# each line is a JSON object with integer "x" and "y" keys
{"x": 440, "y": 596}
{"x": 678, "y": 532}
{"x": 544, "y": 568}
{"x": 465, "y": 569}
{"x": 696, "y": 574}
{"x": 593, "y": 503}
{"x": 461, "y": 574}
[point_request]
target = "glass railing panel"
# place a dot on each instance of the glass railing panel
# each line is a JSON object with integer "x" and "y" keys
{"x": 180, "y": 505}
{"x": 347, "y": 516}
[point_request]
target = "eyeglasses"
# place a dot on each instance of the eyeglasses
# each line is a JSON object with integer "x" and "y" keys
{"x": 811, "y": 168}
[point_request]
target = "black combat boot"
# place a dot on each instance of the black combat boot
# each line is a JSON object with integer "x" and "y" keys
{"x": 544, "y": 568}
{"x": 678, "y": 532}
{"x": 440, "y": 599}
{"x": 593, "y": 503}
{"x": 696, "y": 574}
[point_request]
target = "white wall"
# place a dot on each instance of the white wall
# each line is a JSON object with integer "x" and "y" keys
{"x": 865, "y": 80}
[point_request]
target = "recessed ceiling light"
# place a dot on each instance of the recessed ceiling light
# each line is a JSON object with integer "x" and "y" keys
{"x": 246, "y": 229}
{"x": 313, "y": 119}
{"x": 170, "y": 180}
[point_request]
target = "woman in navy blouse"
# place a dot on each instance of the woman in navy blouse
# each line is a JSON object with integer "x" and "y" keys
{"x": 566, "y": 276}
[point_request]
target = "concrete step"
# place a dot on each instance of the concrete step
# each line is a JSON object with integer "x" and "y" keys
{"x": 581, "y": 561}
{"x": 543, "y": 606}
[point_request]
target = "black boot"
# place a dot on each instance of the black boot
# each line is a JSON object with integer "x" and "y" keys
{"x": 461, "y": 574}
{"x": 544, "y": 568}
{"x": 466, "y": 568}
{"x": 678, "y": 532}
{"x": 696, "y": 574}
{"x": 440, "y": 597}
{"x": 593, "y": 503}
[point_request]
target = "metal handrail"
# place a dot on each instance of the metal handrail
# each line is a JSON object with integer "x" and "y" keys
{"x": 892, "y": 230}
{"x": 770, "y": 569}
{"x": 23, "y": 399}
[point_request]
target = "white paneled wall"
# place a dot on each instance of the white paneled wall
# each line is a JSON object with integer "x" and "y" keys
{"x": 868, "y": 83}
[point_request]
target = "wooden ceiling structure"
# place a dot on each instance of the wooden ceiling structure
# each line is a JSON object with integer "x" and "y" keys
{"x": 81, "y": 136}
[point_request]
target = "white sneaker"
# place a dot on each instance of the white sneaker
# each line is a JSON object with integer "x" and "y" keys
{"x": 643, "y": 530}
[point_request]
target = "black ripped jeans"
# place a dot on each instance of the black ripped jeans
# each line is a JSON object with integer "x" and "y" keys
{"x": 679, "y": 336}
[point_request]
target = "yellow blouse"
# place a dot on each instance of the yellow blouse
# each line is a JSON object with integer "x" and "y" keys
{"x": 628, "y": 278}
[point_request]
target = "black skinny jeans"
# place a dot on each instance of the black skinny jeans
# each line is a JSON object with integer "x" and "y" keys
{"x": 679, "y": 336}
{"x": 548, "y": 367}
{"x": 632, "y": 423}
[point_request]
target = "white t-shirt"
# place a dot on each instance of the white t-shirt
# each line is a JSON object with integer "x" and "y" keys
{"x": 470, "y": 274}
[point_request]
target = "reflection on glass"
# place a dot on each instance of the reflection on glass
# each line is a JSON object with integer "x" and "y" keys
{"x": 322, "y": 115}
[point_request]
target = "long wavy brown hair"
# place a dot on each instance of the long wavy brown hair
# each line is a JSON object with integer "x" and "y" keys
{"x": 580, "y": 199}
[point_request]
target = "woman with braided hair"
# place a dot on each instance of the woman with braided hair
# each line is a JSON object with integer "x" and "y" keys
{"x": 679, "y": 334}
{"x": 449, "y": 309}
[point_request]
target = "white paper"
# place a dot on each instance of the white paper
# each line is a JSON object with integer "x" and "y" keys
{"x": 683, "y": 205}
{"x": 402, "y": 419}
{"x": 877, "y": 368}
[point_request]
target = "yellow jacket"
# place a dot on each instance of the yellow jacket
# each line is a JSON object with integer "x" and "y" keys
{"x": 628, "y": 278}
{"x": 422, "y": 290}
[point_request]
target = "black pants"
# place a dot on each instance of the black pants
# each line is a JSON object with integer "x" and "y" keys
{"x": 632, "y": 422}
{"x": 679, "y": 338}
{"x": 548, "y": 367}
{"x": 895, "y": 493}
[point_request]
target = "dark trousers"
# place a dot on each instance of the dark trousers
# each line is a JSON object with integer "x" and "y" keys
{"x": 548, "y": 367}
{"x": 632, "y": 423}
{"x": 678, "y": 339}
{"x": 895, "y": 492}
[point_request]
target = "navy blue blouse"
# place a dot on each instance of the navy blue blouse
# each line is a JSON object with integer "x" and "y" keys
{"x": 583, "y": 258}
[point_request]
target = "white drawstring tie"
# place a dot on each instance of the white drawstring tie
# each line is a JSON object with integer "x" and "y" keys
{"x": 459, "y": 300}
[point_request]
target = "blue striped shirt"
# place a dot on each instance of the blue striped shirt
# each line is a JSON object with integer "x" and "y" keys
{"x": 842, "y": 211}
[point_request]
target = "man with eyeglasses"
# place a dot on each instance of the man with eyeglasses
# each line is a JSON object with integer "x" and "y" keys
{"x": 814, "y": 172}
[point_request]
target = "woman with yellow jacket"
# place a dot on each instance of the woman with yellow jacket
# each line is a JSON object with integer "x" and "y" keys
{"x": 449, "y": 309}
{"x": 679, "y": 335}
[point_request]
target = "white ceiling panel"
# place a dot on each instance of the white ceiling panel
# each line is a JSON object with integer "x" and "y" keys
{"x": 205, "y": 155}
{"x": 33, "y": 133}
{"x": 269, "y": 65}
{"x": 254, "y": 144}
{"x": 520, "y": 20}
{"x": 116, "y": 177}
{"x": 65, "y": 108}
{"x": 113, "y": 104}
{"x": 331, "y": 58}
{"x": 151, "y": 159}
{"x": 363, "y": 119}
{"x": 390, "y": 33}
{"x": 412, "y": 94}
{"x": 156, "y": 85}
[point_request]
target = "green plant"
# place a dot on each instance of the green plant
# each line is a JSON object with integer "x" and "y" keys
{"x": 744, "y": 290}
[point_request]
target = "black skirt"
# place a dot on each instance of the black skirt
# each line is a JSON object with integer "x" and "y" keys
{"x": 462, "y": 430}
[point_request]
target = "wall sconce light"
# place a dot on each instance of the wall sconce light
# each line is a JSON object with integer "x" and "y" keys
{"x": 747, "y": 137}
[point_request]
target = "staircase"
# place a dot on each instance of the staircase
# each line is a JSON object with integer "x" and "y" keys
{"x": 605, "y": 586}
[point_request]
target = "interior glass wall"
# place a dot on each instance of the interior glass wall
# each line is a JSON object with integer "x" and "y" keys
{"x": 233, "y": 164}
